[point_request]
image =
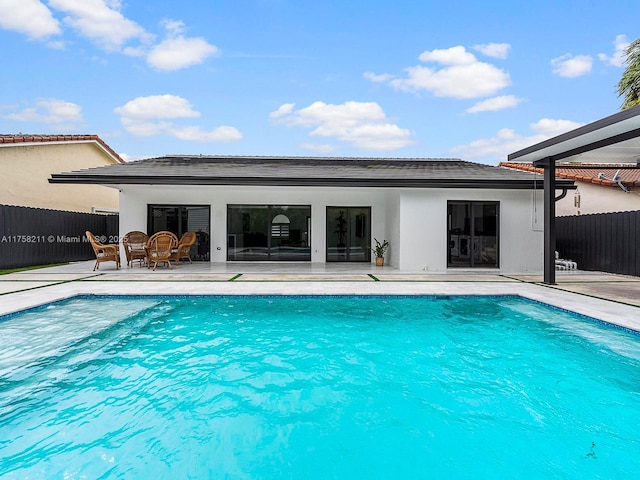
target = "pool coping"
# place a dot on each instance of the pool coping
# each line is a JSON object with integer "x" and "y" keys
{"x": 616, "y": 313}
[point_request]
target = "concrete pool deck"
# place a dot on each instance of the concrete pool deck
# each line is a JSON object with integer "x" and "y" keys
{"x": 611, "y": 298}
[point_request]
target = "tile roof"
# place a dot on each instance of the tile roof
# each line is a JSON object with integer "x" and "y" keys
{"x": 588, "y": 172}
{"x": 304, "y": 171}
{"x": 9, "y": 139}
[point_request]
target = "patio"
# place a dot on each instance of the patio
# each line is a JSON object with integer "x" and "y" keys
{"x": 611, "y": 298}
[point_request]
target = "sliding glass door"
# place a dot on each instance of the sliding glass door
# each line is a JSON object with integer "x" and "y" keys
{"x": 473, "y": 234}
{"x": 269, "y": 232}
{"x": 180, "y": 219}
{"x": 348, "y": 234}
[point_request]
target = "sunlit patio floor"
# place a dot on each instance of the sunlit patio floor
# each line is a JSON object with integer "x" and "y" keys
{"x": 611, "y": 298}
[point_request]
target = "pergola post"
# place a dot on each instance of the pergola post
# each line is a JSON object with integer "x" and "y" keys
{"x": 549, "y": 166}
{"x": 620, "y": 131}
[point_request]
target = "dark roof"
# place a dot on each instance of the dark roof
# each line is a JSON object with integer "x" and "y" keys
{"x": 19, "y": 139}
{"x": 305, "y": 171}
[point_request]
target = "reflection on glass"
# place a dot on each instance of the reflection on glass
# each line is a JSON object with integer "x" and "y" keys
{"x": 180, "y": 219}
{"x": 473, "y": 234}
{"x": 268, "y": 232}
{"x": 348, "y": 234}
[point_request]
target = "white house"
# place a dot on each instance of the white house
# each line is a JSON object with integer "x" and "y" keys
{"x": 601, "y": 187}
{"x": 439, "y": 215}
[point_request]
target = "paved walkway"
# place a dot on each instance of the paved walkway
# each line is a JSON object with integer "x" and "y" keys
{"x": 612, "y": 298}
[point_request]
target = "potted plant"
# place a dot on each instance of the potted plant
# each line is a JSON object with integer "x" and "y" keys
{"x": 379, "y": 250}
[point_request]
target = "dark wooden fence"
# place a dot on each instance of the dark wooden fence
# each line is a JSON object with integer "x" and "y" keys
{"x": 606, "y": 242}
{"x": 36, "y": 236}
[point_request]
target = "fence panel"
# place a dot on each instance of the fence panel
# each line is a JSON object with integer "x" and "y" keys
{"x": 605, "y": 242}
{"x": 36, "y": 236}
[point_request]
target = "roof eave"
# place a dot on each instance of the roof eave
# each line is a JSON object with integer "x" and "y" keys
{"x": 304, "y": 182}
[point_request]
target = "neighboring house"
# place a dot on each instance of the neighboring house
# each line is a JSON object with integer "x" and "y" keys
{"x": 27, "y": 162}
{"x": 438, "y": 215}
{"x": 596, "y": 192}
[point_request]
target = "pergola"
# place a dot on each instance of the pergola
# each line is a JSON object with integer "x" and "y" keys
{"x": 613, "y": 139}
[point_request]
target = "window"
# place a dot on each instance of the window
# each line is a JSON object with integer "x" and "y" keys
{"x": 280, "y": 226}
{"x": 348, "y": 234}
{"x": 473, "y": 234}
{"x": 180, "y": 219}
{"x": 268, "y": 232}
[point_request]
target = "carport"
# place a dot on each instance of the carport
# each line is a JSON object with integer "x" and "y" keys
{"x": 613, "y": 139}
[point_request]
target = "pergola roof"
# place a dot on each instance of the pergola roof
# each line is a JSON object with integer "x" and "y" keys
{"x": 304, "y": 171}
{"x": 613, "y": 139}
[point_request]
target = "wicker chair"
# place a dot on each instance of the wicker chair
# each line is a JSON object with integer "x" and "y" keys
{"x": 159, "y": 247}
{"x": 104, "y": 253}
{"x": 134, "y": 247}
{"x": 184, "y": 247}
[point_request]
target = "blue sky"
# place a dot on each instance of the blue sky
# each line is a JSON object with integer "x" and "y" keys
{"x": 470, "y": 80}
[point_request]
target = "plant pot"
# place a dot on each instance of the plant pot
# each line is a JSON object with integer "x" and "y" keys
{"x": 379, "y": 261}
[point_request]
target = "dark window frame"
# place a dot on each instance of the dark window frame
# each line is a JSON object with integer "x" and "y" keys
{"x": 182, "y": 207}
{"x": 359, "y": 224}
{"x": 471, "y": 234}
{"x": 201, "y": 249}
{"x": 270, "y": 256}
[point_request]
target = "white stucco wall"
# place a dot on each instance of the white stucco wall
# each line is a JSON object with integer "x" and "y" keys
{"x": 134, "y": 201}
{"x": 423, "y": 223}
{"x": 597, "y": 199}
{"x": 392, "y": 226}
{"x": 413, "y": 220}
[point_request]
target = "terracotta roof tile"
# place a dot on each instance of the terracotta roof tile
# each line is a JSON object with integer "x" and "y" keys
{"x": 584, "y": 172}
{"x": 28, "y": 138}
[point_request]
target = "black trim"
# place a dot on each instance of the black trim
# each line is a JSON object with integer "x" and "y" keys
{"x": 509, "y": 184}
{"x": 562, "y": 195}
{"x": 550, "y": 223}
{"x": 471, "y": 234}
{"x": 621, "y": 137}
{"x": 347, "y": 231}
{"x": 266, "y": 251}
{"x": 585, "y": 129}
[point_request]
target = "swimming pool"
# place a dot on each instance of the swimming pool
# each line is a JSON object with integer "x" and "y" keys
{"x": 316, "y": 387}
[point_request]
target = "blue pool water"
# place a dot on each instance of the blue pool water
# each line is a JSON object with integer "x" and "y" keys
{"x": 316, "y": 387}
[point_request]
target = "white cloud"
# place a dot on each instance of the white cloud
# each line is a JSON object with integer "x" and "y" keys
{"x": 29, "y": 17}
{"x": 462, "y": 76}
{"x": 361, "y": 124}
{"x": 506, "y": 141}
{"x": 101, "y": 22}
{"x": 173, "y": 27}
{"x": 495, "y": 50}
{"x": 449, "y": 56}
{"x": 198, "y": 134}
{"x": 383, "y": 78}
{"x": 149, "y": 116}
{"x": 63, "y": 115}
{"x": 495, "y": 103}
{"x": 549, "y": 127}
{"x": 618, "y": 58}
{"x": 157, "y": 106}
{"x": 572, "y": 66}
{"x": 283, "y": 110}
{"x": 180, "y": 52}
